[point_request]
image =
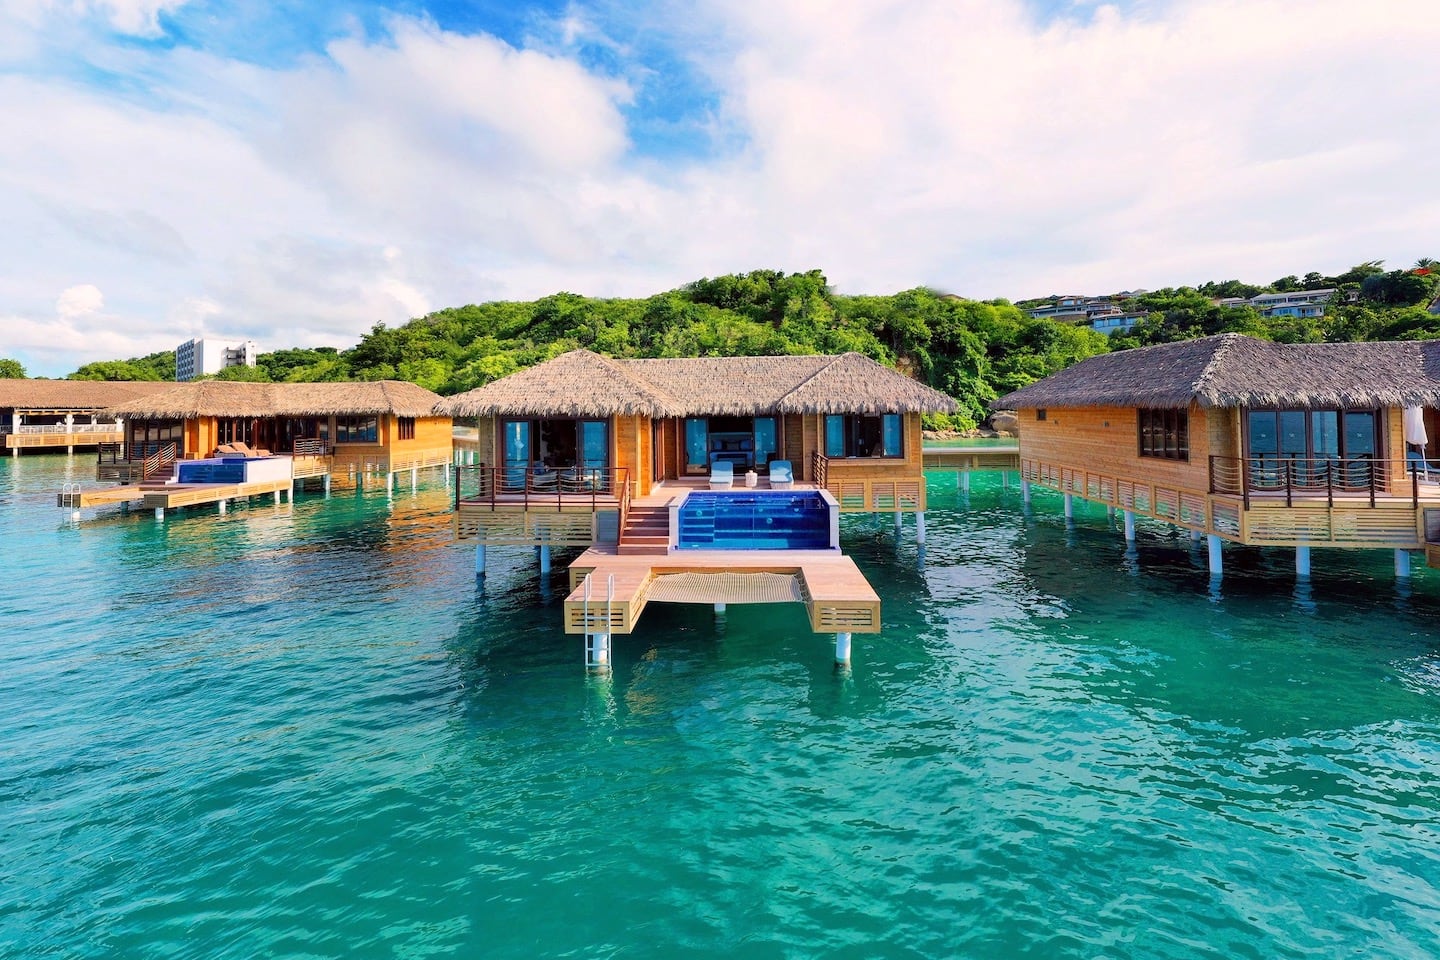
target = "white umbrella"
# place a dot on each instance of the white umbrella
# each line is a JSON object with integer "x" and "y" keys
{"x": 1415, "y": 426}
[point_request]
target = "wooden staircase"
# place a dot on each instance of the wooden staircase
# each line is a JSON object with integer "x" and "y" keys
{"x": 647, "y": 532}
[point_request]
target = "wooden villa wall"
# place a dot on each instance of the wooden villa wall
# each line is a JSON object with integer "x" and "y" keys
{"x": 864, "y": 484}
{"x": 1107, "y": 440}
{"x": 630, "y": 448}
{"x": 433, "y": 446}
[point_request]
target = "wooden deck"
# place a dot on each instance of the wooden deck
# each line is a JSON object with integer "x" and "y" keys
{"x": 957, "y": 459}
{"x": 1395, "y": 520}
{"x": 836, "y": 594}
{"x": 166, "y": 496}
{"x": 109, "y": 496}
{"x": 78, "y": 438}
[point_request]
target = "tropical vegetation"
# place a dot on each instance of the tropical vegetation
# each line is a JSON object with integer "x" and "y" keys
{"x": 974, "y": 350}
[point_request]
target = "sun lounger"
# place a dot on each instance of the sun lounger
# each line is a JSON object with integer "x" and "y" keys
{"x": 722, "y": 475}
{"x": 781, "y": 476}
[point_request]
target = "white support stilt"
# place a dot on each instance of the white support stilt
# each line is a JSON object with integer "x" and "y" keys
{"x": 389, "y": 482}
{"x": 842, "y": 648}
{"x": 480, "y": 560}
{"x": 1216, "y": 559}
{"x": 327, "y": 484}
{"x": 1302, "y": 563}
{"x": 599, "y": 653}
{"x": 1195, "y": 536}
{"x": 920, "y": 526}
{"x": 1402, "y": 564}
{"x": 899, "y": 522}
{"x": 1110, "y": 511}
{"x": 1069, "y": 506}
{"x": 276, "y": 495}
{"x": 159, "y": 513}
{"x": 414, "y": 478}
{"x": 1025, "y": 490}
{"x": 1004, "y": 479}
{"x": 1129, "y": 517}
{"x": 544, "y": 553}
{"x": 965, "y": 481}
{"x": 719, "y": 609}
{"x": 222, "y": 505}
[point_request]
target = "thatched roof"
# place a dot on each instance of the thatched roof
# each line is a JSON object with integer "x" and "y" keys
{"x": 74, "y": 394}
{"x": 581, "y": 383}
{"x": 224, "y": 398}
{"x": 1233, "y": 370}
{"x": 574, "y": 384}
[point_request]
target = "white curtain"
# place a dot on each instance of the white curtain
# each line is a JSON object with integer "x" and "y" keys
{"x": 1415, "y": 425}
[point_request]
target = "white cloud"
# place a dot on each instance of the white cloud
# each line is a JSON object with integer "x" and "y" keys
{"x": 959, "y": 143}
{"x": 78, "y": 301}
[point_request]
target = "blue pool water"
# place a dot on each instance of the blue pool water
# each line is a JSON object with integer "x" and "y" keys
{"x": 301, "y": 730}
{"x": 751, "y": 520}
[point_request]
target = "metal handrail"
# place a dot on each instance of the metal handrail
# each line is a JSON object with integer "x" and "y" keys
{"x": 540, "y": 489}
{"x": 1306, "y": 476}
{"x": 69, "y": 428}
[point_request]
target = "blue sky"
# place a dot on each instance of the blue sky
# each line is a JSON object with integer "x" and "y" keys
{"x": 297, "y": 172}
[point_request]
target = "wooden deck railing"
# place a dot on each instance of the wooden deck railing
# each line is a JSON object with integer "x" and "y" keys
{"x": 1338, "y": 517}
{"x": 533, "y": 489}
{"x": 1308, "y": 477}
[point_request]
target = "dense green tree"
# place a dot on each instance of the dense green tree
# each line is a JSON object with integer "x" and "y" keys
{"x": 11, "y": 369}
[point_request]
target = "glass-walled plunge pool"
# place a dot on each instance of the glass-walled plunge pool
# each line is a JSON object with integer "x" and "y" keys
{"x": 767, "y": 520}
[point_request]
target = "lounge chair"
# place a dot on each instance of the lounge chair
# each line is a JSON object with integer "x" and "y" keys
{"x": 781, "y": 476}
{"x": 1415, "y": 462}
{"x": 722, "y": 475}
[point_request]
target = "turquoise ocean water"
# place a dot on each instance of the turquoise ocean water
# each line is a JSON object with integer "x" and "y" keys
{"x": 302, "y": 732}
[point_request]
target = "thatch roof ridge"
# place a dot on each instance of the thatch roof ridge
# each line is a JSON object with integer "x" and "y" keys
{"x": 1235, "y": 370}
{"x": 872, "y": 388}
{"x": 577, "y": 383}
{"x": 227, "y": 398}
{"x": 700, "y": 386}
{"x": 42, "y": 394}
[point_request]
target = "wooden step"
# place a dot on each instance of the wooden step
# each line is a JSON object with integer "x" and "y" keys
{"x": 642, "y": 549}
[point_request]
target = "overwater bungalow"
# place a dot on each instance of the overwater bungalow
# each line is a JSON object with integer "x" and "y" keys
{"x": 1247, "y": 441}
{"x": 602, "y": 429}
{"x": 50, "y": 414}
{"x": 346, "y": 429}
{"x": 590, "y": 451}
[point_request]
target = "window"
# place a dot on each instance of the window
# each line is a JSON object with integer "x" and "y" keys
{"x": 357, "y": 430}
{"x": 1041, "y": 413}
{"x": 407, "y": 428}
{"x": 1165, "y": 434}
{"x": 853, "y": 435}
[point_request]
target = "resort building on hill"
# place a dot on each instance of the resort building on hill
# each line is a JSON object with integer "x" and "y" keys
{"x": 351, "y": 429}
{"x": 652, "y": 464}
{"x": 1243, "y": 440}
{"x": 50, "y": 414}
{"x": 208, "y": 356}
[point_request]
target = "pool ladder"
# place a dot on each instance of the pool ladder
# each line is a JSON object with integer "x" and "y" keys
{"x": 597, "y": 642}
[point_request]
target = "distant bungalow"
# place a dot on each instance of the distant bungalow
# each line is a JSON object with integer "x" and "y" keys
{"x": 49, "y": 414}
{"x": 647, "y": 461}
{"x": 1302, "y": 445}
{"x": 384, "y": 426}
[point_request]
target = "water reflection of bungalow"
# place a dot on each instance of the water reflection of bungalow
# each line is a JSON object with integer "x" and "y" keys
{"x": 50, "y": 414}
{"x": 1238, "y": 439}
{"x": 350, "y": 429}
{"x": 590, "y": 451}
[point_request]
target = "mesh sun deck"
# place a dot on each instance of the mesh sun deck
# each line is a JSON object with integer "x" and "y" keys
{"x": 725, "y": 587}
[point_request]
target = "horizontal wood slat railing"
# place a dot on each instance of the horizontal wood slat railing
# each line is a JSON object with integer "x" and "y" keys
{"x": 1309, "y": 513}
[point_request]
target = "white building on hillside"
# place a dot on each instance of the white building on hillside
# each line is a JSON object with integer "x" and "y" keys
{"x": 197, "y": 358}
